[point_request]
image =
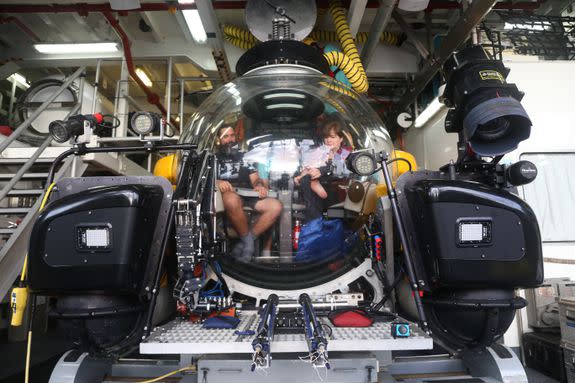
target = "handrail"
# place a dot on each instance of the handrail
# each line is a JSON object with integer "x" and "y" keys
{"x": 16, "y": 133}
{"x": 28, "y": 164}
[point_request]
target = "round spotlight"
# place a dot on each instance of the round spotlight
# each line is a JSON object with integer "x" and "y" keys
{"x": 361, "y": 163}
{"x": 59, "y": 131}
{"x": 145, "y": 122}
{"x": 62, "y": 131}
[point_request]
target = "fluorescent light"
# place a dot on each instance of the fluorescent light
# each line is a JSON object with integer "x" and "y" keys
{"x": 195, "y": 26}
{"x": 144, "y": 77}
{"x": 17, "y": 77}
{"x": 283, "y": 95}
{"x": 531, "y": 27}
{"x": 76, "y": 48}
{"x": 283, "y": 106}
{"x": 431, "y": 110}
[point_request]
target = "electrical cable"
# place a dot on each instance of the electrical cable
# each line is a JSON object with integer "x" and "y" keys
{"x": 22, "y": 278}
{"x": 116, "y": 121}
{"x": 44, "y": 200}
{"x": 188, "y": 368}
{"x": 400, "y": 159}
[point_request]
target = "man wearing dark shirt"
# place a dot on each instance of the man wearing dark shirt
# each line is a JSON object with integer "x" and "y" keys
{"x": 234, "y": 172}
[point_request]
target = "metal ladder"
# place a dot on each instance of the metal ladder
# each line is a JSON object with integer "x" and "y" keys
{"x": 23, "y": 173}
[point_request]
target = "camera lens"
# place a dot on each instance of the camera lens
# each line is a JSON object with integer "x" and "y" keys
{"x": 59, "y": 131}
{"x": 493, "y": 130}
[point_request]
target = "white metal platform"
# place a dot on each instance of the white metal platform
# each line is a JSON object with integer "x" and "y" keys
{"x": 184, "y": 337}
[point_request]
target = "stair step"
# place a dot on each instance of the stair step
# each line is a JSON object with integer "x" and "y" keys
{"x": 7, "y": 231}
{"x": 14, "y": 210}
{"x": 25, "y": 176}
{"x": 25, "y": 192}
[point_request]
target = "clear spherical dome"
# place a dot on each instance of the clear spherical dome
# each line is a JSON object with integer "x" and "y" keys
{"x": 287, "y": 201}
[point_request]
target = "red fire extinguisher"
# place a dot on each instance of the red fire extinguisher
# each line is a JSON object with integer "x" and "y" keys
{"x": 296, "y": 231}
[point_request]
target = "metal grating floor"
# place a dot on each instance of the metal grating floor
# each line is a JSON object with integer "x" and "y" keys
{"x": 183, "y": 337}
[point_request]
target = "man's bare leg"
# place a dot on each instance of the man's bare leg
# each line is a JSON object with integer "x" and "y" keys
{"x": 235, "y": 212}
{"x": 269, "y": 209}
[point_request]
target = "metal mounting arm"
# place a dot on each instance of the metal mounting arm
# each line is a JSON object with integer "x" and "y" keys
{"x": 408, "y": 257}
{"x": 262, "y": 342}
{"x": 316, "y": 340}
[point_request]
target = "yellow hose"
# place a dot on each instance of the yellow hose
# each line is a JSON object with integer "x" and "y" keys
{"x": 359, "y": 83}
{"x": 389, "y": 38}
{"x": 349, "y": 68}
{"x": 240, "y": 43}
{"x": 348, "y": 62}
{"x": 239, "y": 33}
{"x": 343, "y": 89}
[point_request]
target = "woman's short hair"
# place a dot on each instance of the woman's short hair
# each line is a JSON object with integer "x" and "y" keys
{"x": 332, "y": 124}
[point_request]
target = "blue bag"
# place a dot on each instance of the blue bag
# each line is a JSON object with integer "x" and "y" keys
{"x": 221, "y": 321}
{"x": 321, "y": 239}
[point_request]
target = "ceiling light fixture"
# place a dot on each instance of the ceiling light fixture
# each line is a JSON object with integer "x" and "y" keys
{"x": 17, "y": 77}
{"x": 144, "y": 77}
{"x": 532, "y": 27}
{"x": 428, "y": 113}
{"x": 76, "y": 48}
{"x": 194, "y": 23}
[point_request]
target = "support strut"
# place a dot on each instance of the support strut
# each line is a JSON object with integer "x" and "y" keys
{"x": 316, "y": 339}
{"x": 265, "y": 333}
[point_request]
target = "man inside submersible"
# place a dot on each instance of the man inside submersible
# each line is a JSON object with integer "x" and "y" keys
{"x": 234, "y": 172}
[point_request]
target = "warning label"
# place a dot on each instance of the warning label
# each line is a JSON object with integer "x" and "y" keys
{"x": 491, "y": 75}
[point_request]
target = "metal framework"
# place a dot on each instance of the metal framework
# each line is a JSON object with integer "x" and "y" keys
{"x": 550, "y": 37}
{"x": 458, "y": 34}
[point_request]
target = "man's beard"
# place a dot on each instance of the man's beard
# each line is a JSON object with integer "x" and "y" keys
{"x": 229, "y": 149}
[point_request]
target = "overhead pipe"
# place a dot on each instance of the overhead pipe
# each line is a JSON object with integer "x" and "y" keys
{"x": 379, "y": 24}
{"x": 21, "y": 25}
{"x": 152, "y": 97}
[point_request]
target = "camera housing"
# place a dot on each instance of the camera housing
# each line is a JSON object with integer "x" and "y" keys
{"x": 486, "y": 110}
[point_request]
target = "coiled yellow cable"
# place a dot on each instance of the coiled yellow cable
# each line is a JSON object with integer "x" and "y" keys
{"x": 239, "y": 33}
{"x": 243, "y": 44}
{"x": 390, "y": 38}
{"x": 359, "y": 82}
{"x": 344, "y": 63}
{"x": 352, "y": 68}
